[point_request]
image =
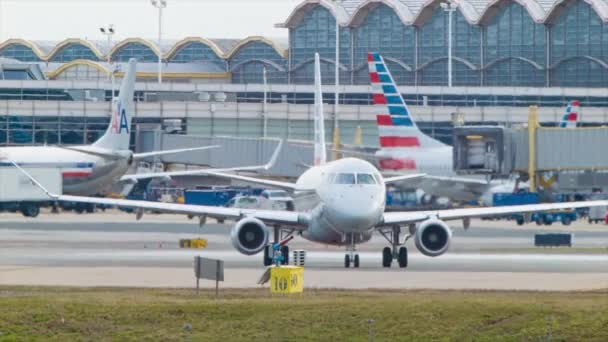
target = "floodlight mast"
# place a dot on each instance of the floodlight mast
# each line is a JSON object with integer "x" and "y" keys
{"x": 450, "y": 8}
{"x": 109, "y": 31}
{"x": 160, "y": 5}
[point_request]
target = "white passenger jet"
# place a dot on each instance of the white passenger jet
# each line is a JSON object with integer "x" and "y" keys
{"x": 89, "y": 169}
{"x": 339, "y": 203}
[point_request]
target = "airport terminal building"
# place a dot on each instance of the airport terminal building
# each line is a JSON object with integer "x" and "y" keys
{"x": 506, "y": 55}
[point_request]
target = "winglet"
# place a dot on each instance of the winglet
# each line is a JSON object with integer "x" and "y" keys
{"x": 33, "y": 180}
{"x": 274, "y": 157}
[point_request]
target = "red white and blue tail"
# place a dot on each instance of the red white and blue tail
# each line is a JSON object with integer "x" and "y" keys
{"x": 396, "y": 126}
{"x": 570, "y": 118}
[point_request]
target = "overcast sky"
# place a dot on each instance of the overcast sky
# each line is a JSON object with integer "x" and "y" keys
{"x": 60, "y": 19}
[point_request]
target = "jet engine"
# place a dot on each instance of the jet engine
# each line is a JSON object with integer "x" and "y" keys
{"x": 433, "y": 237}
{"x": 249, "y": 236}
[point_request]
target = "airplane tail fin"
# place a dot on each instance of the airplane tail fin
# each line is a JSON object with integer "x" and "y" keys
{"x": 118, "y": 134}
{"x": 571, "y": 116}
{"x": 320, "y": 157}
{"x": 395, "y": 124}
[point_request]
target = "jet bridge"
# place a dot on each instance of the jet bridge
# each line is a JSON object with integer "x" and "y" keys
{"x": 565, "y": 158}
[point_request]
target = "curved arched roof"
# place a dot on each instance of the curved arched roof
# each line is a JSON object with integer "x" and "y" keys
{"x": 209, "y": 43}
{"x": 65, "y": 43}
{"x": 416, "y": 12}
{"x": 223, "y": 48}
{"x": 55, "y": 73}
{"x": 280, "y": 50}
{"x": 128, "y": 41}
{"x": 338, "y": 11}
{"x": 33, "y": 46}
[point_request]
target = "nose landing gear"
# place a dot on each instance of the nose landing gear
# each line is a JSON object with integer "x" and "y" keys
{"x": 351, "y": 256}
{"x": 397, "y": 251}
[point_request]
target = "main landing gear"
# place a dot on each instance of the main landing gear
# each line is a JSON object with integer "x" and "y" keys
{"x": 351, "y": 257}
{"x": 397, "y": 251}
{"x": 269, "y": 252}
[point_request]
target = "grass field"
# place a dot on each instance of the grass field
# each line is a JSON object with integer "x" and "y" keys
{"x": 318, "y": 315}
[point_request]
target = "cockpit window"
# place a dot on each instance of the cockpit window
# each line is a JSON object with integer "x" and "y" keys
{"x": 345, "y": 178}
{"x": 365, "y": 178}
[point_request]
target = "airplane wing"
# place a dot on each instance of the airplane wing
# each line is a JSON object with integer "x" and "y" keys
{"x": 393, "y": 218}
{"x": 165, "y": 152}
{"x": 461, "y": 188}
{"x": 290, "y": 218}
{"x": 199, "y": 172}
{"x": 108, "y": 154}
{"x": 397, "y": 179}
{"x": 266, "y": 182}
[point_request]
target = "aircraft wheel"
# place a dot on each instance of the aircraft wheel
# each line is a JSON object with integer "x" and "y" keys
{"x": 267, "y": 258}
{"x": 402, "y": 257}
{"x": 30, "y": 210}
{"x": 356, "y": 261}
{"x": 285, "y": 254}
{"x": 346, "y": 261}
{"x": 387, "y": 257}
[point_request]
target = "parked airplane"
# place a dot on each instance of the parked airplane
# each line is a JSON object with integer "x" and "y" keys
{"x": 405, "y": 148}
{"x": 340, "y": 203}
{"x": 89, "y": 169}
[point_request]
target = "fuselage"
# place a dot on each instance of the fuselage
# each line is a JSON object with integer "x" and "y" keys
{"x": 83, "y": 174}
{"x": 438, "y": 161}
{"x": 346, "y": 199}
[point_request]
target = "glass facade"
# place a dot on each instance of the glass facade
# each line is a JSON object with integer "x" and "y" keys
{"x": 19, "y": 52}
{"x": 135, "y": 50}
{"x": 72, "y": 130}
{"x": 514, "y": 48}
{"x": 509, "y": 47}
{"x": 433, "y": 52}
{"x": 72, "y": 52}
{"x": 196, "y": 52}
{"x": 579, "y": 48}
{"x": 247, "y": 64}
{"x": 317, "y": 33}
{"x": 82, "y": 72}
{"x": 382, "y": 30}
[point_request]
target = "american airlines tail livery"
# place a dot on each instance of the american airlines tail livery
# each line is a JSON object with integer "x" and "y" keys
{"x": 340, "y": 203}
{"x": 571, "y": 116}
{"x": 405, "y": 148}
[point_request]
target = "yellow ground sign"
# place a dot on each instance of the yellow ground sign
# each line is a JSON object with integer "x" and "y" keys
{"x": 287, "y": 279}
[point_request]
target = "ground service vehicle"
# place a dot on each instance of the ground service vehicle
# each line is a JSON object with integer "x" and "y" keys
{"x": 17, "y": 193}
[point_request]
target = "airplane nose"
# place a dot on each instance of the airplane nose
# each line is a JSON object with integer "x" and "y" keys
{"x": 355, "y": 211}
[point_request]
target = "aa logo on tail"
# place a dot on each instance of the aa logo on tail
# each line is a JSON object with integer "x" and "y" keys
{"x": 119, "y": 120}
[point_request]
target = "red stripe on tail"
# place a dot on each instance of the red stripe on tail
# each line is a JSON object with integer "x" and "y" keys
{"x": 373, "y": 76}
{"x": 379, "y": 99}
{"x": 399, "y": 142}
{"x": 384, "y": 120}
{"x": 398, "y": 164}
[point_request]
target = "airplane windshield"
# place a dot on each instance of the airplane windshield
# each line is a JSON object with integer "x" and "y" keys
{"x": 365, "y": 178}
{"x": 345, "y": 178}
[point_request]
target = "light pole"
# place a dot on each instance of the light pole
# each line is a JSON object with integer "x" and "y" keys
{"x": 336, "y": 140}
{"x": 449, "y": 7}
{"x": 160, "y": 4}
{"x": 109, "y": 31}
{"x": 264, "y": 106}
